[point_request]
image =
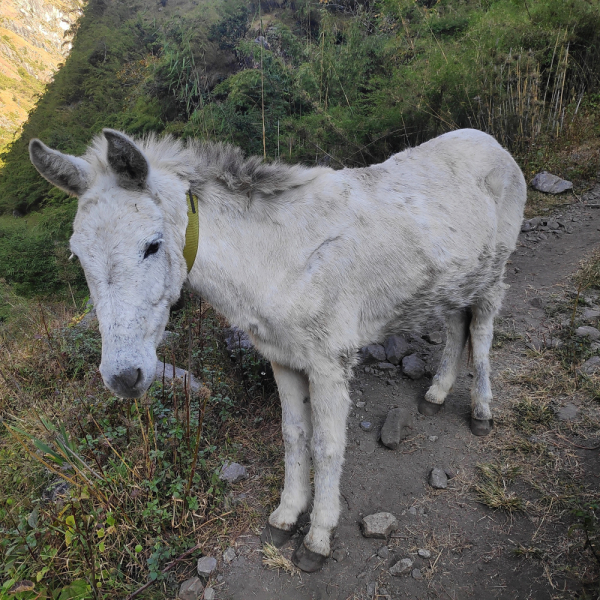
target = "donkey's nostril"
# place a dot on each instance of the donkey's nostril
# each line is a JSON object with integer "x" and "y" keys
{"x": 128, "y": 378}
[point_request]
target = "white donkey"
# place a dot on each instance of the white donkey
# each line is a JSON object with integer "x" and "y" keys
{"x": 312, "y": 263}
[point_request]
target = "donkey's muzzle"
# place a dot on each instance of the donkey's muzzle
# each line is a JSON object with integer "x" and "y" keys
{"x": 127, "y": 383}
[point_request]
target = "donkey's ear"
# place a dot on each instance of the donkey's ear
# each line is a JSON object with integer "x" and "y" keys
{"x": 67, "y": 172}
{"x": 125, "y": 158}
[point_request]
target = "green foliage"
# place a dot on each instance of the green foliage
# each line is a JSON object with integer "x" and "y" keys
{"x": 99, "y": 494}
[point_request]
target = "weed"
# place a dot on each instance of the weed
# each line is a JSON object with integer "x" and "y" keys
{"x": 532, "y": 412}
{"x": 492, "y": 491}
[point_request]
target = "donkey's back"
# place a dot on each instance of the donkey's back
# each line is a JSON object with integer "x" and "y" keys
{"x": 426, "y": 234}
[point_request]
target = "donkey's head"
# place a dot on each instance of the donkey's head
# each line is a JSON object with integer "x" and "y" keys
{"x": 129, "y": 235}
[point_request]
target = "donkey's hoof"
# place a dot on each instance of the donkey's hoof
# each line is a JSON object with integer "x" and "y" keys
{"x": 275, "y": 536}
{"x": 481, "y": 426}
{"x": 307, "y": 560}
{"x": 429, "y": 408}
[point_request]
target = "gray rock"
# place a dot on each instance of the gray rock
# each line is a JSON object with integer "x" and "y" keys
{"x": 383, "y": 552}
{"x": 339, "y": 554}
{"x": 236, "y": 339}
{"x": 568, "y": 412}
{"x": 438, "y": 479}
{"x": 413, "y": 366}
{"x": 537, "y": 302}
{"x": 209, "y": 593}
{"x": 589, "y": 332}
{"x": 435, "y": 337}
{"x": 380, "y": 525}
{"x": 366, "y": 425}
{"x": 229, "y": 554}
{"x": 232, "y": 473}
{"x": 360, "y": 404}
{"x": 423, "y": 553}
{"x": 590, "y": 366}
{"x": 181, "y": 375}
{"x": 550, "y": 184}
{"x": 385, "y": 366}
{"x": 553, "y": 225}
{"x": 371, "y": 587}
{"x": 191, "y": 589}
{"x": 591, "y": 314}
{"x": 416, "y": 573}
{"x": 396, "y": 348}
{"x": 526, "y": 227}
{"x": 398, "y": 424}
{"x": 374, "y": 353}
{"x": 206, "y": 566}
{"x": 402, "y": 567}
{"x": 413, "y": 511}
{"x": 433, "y": 438}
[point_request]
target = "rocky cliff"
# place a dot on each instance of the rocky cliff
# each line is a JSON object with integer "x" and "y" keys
{"x": 35, "y": 37}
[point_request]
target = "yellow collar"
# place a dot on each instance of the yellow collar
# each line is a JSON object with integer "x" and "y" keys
{"x": 192, "y": 232}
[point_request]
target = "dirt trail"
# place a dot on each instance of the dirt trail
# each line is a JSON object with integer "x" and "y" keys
{"x": 472, "y": 547}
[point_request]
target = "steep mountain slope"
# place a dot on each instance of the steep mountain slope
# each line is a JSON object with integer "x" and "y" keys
{"x": 35, "y": 37}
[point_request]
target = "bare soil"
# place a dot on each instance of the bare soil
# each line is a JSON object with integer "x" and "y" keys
{"x": 476, "y": 552}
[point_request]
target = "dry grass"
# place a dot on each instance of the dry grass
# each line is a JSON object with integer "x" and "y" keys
{"x": 492, "y": 488}
{"x": 273, "y": 559}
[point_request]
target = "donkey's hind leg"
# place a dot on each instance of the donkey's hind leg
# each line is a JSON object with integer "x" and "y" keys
{"x": 457, "y": 325}
{"x": 482, "y": 333}
{"x": 297, "y": 432}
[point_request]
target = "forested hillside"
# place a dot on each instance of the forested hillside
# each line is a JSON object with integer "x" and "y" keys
{"x": 344, "y": 83}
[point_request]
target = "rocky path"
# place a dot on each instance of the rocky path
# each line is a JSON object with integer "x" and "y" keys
{"x": 456, "y": 548}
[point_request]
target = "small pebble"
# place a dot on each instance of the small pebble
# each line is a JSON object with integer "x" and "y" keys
{"x": 360, "y": 404}
{"x": 206, "y": 565}
{"x": 402, "y": 567}
{"x": 438, "y": 479}
{"x": 413, "y": 510}
{"x": 383, "y": 552}
{"x": 229, "y": 554}
{"x": 423, "y": 553}
{"x": 433, "y": 438}
{"x": 371, "y": 587}
{"x": 209, "y": 594}
{"x": 232, "y": 473}
{"x": 339, "y": 554}
{"x": 379, "y": 525}
{"x": 416, "y": 573}
{"x": 366, "y": 425}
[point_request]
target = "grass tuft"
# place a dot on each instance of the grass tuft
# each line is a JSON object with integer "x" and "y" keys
{"x": 492, "y": 487}
{"x": 273, "y": 559}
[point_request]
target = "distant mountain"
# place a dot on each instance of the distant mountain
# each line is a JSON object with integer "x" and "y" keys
{"x": 35, "y": 37}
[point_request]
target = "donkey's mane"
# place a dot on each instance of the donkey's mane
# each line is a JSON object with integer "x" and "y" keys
{"x": 203, "y": 162}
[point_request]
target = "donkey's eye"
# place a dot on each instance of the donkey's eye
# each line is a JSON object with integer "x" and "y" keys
{"x": 152, "y": 249}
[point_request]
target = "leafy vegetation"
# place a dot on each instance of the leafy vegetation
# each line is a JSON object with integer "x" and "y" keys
{"x": 98, "y": 495}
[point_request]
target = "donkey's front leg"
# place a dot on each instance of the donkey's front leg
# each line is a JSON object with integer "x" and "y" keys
{"x": 297, "y": 431}
{"x": 329, "y": 408}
